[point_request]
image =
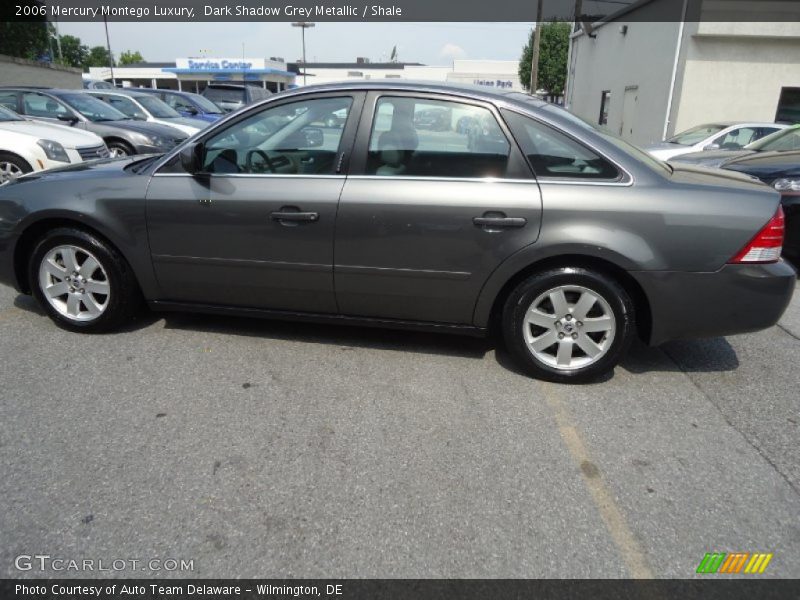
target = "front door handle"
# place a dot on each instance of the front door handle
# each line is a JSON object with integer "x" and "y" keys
{"x": 499, "y": 222}
{"x": 295, "y": 216}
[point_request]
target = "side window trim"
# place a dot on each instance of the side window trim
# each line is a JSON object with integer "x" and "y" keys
{"x": 518, "y": 168}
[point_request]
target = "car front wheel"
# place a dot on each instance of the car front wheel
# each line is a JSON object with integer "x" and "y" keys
{"x": 81, "y": 282}
{"x": 568, "y": 325}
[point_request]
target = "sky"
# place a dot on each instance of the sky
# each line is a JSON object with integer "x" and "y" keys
{"x": 427, "y": 43}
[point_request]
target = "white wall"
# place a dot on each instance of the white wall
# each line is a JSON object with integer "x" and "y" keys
{"x": 735, "y": 71}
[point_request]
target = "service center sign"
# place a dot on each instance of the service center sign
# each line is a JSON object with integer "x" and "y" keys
{"x": 220, "y": 64}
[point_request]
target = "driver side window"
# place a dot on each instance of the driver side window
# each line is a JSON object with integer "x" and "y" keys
{"x": 299, "y": 138}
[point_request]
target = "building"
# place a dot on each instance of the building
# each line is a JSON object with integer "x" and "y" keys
{"x": 646, "y": 80}
{"x": 193, "y": 74}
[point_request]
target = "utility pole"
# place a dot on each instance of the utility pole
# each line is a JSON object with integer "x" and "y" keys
{"x": 537, "y": 35}
{"x": 303, "y": 25}
{"x": 110, "y": 56}
{"x": 58, "y": 41}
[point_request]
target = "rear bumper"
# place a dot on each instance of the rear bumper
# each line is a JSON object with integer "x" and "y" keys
{"x": 735, "y": 299}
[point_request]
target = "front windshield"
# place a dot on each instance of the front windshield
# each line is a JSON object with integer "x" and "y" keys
{"x": 692, "y": 136}
{"x": 93, "y": 109}
{"x": 627, "y": 147}
{"x": 780, "y": 141}
{"x": 157, "y": 107}
{"x": 7, "y": 115}
{"x": 205, "y": 104}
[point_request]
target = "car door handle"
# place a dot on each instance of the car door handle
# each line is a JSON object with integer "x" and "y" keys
{"x": 294, "y": 216}
{"x": 492, "y": 222}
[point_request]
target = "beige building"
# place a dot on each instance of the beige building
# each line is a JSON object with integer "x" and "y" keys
{"x": 646, "y": 80}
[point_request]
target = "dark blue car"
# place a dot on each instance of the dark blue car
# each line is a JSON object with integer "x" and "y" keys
{"x": 189, "y": 104}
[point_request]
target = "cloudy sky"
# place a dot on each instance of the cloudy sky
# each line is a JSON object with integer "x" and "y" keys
{"x": 428, "y": 43}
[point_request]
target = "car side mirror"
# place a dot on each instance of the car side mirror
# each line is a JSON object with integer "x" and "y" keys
{"x": 71, "y": 119}
{"x": 191, "y": 156}
{"x": 711, "y": 147}
{"x": 192, "y": 111}
{"x": 314, "y": 137}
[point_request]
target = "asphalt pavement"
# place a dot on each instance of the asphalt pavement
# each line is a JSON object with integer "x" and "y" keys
{"x": 262, "y": 449}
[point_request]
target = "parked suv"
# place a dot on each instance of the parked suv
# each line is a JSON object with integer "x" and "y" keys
{"x": 122, "y": 135}
{"x": 231, "y": 97}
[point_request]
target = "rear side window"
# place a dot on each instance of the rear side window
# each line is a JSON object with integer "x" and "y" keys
{"x": 416, "y": 137}
{"x": 553, "y": 154}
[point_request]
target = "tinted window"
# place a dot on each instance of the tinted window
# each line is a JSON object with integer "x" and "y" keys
{"x": 290, "y": 139}
{"x": 433, "y": 138}
{"x": 38, "y": 105}
{"x": 9, "y": 100}
{"x": 7, "y": 115}
{"x": 224, "y": 94}
{"x": 553, "y": 154}
{"x": 126, "y": 106}
{"x": 157, "y": 107}
{"x": 92, "y": 108}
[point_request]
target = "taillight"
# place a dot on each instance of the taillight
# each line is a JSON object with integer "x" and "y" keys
{"x": 766, "y": 246}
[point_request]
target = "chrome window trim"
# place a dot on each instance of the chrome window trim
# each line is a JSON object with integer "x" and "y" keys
{"x": 253, "y": 175}
{"x": 626, "y": 183}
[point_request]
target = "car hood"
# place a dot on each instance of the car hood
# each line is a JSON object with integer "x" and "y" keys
{"x": 146, "y": 128}
{"x": 767, "y": 166}
{"x": 105, "y": 168}
{"x": 710, "y": 158}
{"x": 63, "y": 134}
{"x": 189, "y": 122}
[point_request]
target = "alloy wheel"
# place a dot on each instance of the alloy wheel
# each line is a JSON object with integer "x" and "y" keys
{"x": 569, "y": 327}
{"x": 9, "y": 171}
{"x": 74, "y": 283}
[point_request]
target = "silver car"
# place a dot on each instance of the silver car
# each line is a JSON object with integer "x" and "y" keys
{"x": 711, "y": 137}
{"x": 567, "y": 241}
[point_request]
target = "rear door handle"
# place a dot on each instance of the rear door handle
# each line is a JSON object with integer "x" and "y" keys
{"x": 492, "y": 222}
{"x": 294, "y": 216}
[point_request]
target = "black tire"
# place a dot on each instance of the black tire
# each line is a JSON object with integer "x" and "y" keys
{"x": 17, "y": 161}
{"x": 124, "y": 301}
{"x": 121, "y": 147}
{"x": 520, "y": 300}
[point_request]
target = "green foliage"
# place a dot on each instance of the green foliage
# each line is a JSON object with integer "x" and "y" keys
{"x": 24, "y": 40}
{"x": 130, "y": 57}
{"x": 553, "y": 49}
{"x": 73, "y": 53}
{"x": 97, "y": 57}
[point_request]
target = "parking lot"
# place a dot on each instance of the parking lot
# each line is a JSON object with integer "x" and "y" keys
{"x": 263, "y": 449}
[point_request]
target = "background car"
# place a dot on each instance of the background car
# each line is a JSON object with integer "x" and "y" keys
{"x": 714, "y": 136}
{"x": 231, "y": 97}
{"x": 27, "y": 146}
{"x": 146, "y": 107}
{"x": 97, "y": 84}
{"x": 781, "y": 170}
{"x": 122, "y": 135}
{"x": 188, "y": 104}
{"x": 567, "y": 239}
{"x": 780, "y": 141}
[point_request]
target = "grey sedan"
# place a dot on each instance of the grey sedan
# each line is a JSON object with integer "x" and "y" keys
{"x": 566, "y": 240}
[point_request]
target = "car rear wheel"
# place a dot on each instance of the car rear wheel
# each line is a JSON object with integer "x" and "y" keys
{"x": 568, "y": 324}
{"x": 11, "y": 167}
{"x": 81, "y": 282}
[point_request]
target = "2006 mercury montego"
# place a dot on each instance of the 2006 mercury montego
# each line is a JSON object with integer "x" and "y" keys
{"x": 568, "y": 239}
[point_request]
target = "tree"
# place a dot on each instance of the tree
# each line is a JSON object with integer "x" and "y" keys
{"x": 129, "y": 57}
{"x": 25, "y": 39}
{"x": 98, "y": 57}
{"x": 73, "y": 52}
{"x": 553, "y": 49}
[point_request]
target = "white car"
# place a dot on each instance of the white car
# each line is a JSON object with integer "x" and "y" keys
{"x": 147, "y": 107}
{"x": 27, "y": 146}
{"x": 712, "y": 136}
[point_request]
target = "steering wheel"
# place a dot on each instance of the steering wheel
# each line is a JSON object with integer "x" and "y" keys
{"x": 267, "y": 161}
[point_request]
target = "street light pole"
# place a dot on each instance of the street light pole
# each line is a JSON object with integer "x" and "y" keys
{"x": 537, "y": 36}
{"x": 110, "y": 56}
{"x": 303, "y": 25}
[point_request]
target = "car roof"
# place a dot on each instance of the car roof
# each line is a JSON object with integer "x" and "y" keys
{"x": 123, "y": 92}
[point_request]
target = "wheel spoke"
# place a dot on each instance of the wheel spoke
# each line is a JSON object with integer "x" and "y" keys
{"x": 559, "y": 300}
{"x": 55, "y": 270}
{"x": 544, "y": 341}
{"x": 564, "y": 356}
{"x": 588, "y": 346}
{"x": 70, "y": 260}
{"x": 91, "y": 305}
{"x": 97, "y": 287}
{"x": 592, "y": 325}
{"x": 88, "y": 267}
{"x": 584, "y": 305}
{"x": 540, "y": 319}
{"x": 73, "y": 305}
{"x": 57, "y": 289}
